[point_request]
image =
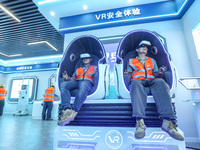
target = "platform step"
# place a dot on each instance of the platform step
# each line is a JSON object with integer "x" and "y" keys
{"x": 115, "y": 115}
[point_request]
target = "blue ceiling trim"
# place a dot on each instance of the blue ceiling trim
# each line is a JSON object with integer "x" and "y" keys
{"x": 146, "y": 13}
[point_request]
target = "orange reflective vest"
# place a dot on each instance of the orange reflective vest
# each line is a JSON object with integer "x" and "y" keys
{"x": 141, "y": 71}
{"x": 81, "y": 75}
{"x": 49, "y": 95}
{"x": 2, "y": 94}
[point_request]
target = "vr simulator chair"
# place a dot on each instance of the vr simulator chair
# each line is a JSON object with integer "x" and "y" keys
{"x": 98, "y": 124}
{"x": 158, "y": 51}
{"x": 71, "y": 61}
{"x": 127, "y": 50}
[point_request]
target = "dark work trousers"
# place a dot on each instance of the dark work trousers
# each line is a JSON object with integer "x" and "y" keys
{"x": 2, "y": 103}
{"x": 161, "y": 94}
{"x": 47, "y": 107}
{"x": 84, "y": 86}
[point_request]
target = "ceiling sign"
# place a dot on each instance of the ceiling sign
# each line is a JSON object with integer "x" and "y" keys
{"x": 160, "y": 11}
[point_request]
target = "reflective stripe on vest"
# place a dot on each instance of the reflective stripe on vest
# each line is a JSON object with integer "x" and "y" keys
{"x": 49, "y": 95}
{"x": 81, "y": 75}
{"x": 2, "y": 93}
{"x": 142, "y": 71}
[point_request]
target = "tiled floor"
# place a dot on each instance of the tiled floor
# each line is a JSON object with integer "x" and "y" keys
{"x": 25, "y": 133}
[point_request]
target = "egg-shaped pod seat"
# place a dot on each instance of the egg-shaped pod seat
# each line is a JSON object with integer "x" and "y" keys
{"x": 71, "y": 61}
{"x": 127, "y": 50}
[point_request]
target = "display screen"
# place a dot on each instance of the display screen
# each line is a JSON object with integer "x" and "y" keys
{"x": 196, "y": 36}
{"x": 17, "y": 86}
{"x": 18, "y": 83}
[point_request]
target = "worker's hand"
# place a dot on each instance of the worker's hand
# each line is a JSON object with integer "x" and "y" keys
{"x": 125, "y": 72}
{"x": 65, "y": 75}
{"x": 162, "y": 69}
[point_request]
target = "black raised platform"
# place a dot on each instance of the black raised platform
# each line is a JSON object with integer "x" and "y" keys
{"x": 114, "y": 115}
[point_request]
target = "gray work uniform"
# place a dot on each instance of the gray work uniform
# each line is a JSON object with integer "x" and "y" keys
{"x": 161, "y": 94}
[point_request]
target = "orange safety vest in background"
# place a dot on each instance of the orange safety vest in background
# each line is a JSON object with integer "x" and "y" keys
{"x": 49, "y": 95}
{"x": 81, "y": 75}
{"x": 141, "y": 71}
{"x": 2, "y": 94}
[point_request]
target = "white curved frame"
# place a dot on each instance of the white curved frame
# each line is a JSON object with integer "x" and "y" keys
{"x": 103, "y": 69}
{"x": 120, "y": 86}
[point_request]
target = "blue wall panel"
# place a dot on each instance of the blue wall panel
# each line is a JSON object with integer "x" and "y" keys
{"x": 125, "y": 16}
{"x": 28, "y": 68}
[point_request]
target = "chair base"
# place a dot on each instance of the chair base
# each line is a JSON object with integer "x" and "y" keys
{"x": 108, "y": 138}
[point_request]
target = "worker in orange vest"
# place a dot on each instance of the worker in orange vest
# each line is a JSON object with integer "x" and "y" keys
{"x": 48, "y": 103}
{"x": 144, "y": 74}
{"x": 3, "y": 93}
{"x": 83, "y": 80}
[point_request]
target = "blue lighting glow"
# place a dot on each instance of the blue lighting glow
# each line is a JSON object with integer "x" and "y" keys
{"x": 36, "y": 58}
{"x": 114, "y": 138}
{"x": 157, "y": 137}
{"x": 149, "y": 148}
{"x": 46, "y": 1}
{"x": 112, "y": 38}
{"x": 76, "y": 135}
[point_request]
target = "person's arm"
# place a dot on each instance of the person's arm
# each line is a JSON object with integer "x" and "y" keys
{"x": 158, "y": 72}
{"x": 68, "y": 78}
{"x": 155, "y": 69}
{"x": 96, "y": 72}
{"x": 73, "y": 77}
{"x": 128, "y": 70}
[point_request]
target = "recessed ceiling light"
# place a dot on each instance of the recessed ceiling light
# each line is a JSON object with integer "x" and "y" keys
{"x": 46, "y": 1}
{"x": 43, "y": 42}
{"x": 85, "y": 7}
{"x": 10, "y": 55}
{"x": 130, "y": 1}
{"x": 52, "y": 13}
{"x": 9, "y": 13}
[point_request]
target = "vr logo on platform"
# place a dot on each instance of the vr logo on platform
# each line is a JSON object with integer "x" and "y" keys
{"x": 114, "y": 139}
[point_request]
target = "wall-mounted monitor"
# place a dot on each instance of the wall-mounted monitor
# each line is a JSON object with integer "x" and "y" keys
{"x": 196, "y": 36}
{"x": 21, "y": 83}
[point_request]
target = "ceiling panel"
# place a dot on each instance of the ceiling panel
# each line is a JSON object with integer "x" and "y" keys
{"x": 33, "y": 27}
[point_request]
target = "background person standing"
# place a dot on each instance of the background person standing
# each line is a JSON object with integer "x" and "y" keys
{"x": 48, "y": 103}
{"x": 3, "y": 93}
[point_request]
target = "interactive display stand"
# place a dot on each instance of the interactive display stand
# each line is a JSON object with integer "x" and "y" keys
{"x": 22, "y": 106}
{"x": 192, "y": 84}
